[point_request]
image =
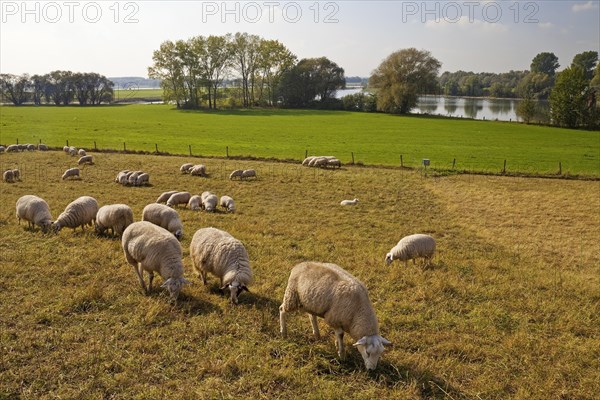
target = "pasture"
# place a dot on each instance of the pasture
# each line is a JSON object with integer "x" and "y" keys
{"x": 509, "y": 309}
{"x": 373, "y": 139}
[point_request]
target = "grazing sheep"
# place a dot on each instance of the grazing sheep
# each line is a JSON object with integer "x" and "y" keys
{"x": 30, "y": 147}
{"x": 72, "y": 151}
{"x": 115, "y": 217}
{"x": 79, "y": 212}
{"x": 8, "y": 176}
{"x": 42, "y": 147}
{"x": 209, "y": 201}
{"x": 248, "y": 173}
{"x": 198, "y": 170}
{"x": 22, "y": 147}
{"x": 236, "y": 174}
{"x": 165, "y": 217}
{"x": 142, "y": 179}
{"x": 86, "y": 160}
{"x": 216, "y": 251}
{"x": 2, "y": 149}
{"x": 328, "y": 291}
{"x": 195, "y": 203}
{"x": 412, "y": 247}
{"x": 12, "y": 148}
{"x": 333, "y": 163}
{"x": 66, "y": 149}
{"x": 312, "y": 162}
{"x": 81, "y": 152}
{"x": 227, "y": 203}
{"x": 179, "y": 198}
{"x": 307, "y": 160}
{"x": 121, "y": 176}
{"x": 71, "y": 172}
{"x": 185, "y": 168}
{"x": 35, "y": 211}
{"x": 165, "y": 196}
{"x": 349, "y": 202}
{"x": 150, "y": 248}
{"x": 17, "y": 174}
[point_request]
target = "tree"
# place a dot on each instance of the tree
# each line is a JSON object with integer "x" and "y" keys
{"x": 569, "y": 98}
{"x": 536, "y": 84}
{"x": 546, "y": 63}
{"x": 587, "y": 62}
{"x": 401, "y": 77}
{"x": 245, "y": 49}
{"x": 214, "y": 55}
{"x": 526, "y": 108}
{"x": 595, "y": 82}
{"x": 274, "y": 60}
{"x": 14, "y": 87}
{"x": 168, "y": 68}
{"x": 38, "y": 88}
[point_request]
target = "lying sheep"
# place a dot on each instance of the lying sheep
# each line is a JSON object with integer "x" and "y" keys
{"x": 124, "y": 179}
{"x": 236, "y": 174}
{"x": 307, "y": 160}
{"x": 209, "y": 201}
{"x": 81, "y": 152}
{"x": 178, "y": 198}
{"x": 248, "y": 173}
{"x": 79, "y": 212}
{"x": 216, "y": 251}
{"x": 12, "y": 148}
{"x": 198, "y": 170}
{"x": 165, "y": 196}
{"x": 195, "y": 203}
{"x": 412, "y": 247}
{"x": 328, "y": 291}
{"x": 185, "y": 168}
{"x": 121, "y": 175}
{"x": 333, "y": 163}
{"x": 86, "y": 160}
{"x": 142, "y": 179}
{"x": 132, "y": 178}
{"x": 42, "y": 147}
{"x": 150, "y": 248}
{"x": 227, "y": 203}
{"x": 16, "y": 174}
{"x": 114, "y": 217}
{"x": 30, "y": 147}
{"x": 71, "y": 172}
{"x": 8, "y": 176}
{"x": 165, "y": 217}
{"x": 349, "y": 202}
{"x": 35, "y": 211}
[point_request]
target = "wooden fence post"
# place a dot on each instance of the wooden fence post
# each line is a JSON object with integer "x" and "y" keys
{"x": 227, "y": 151}
{"x": 305, "y": 153}
{"x": 401, "y": 162}
{"x": 156, "y": 147}
{"x": 190, "y": 148}
{"x": 352, "y": 158}
{"x": 67, "y": 142}
{"x": 95, "y": 147}
{"x": 560, "y": 168}
{"x": 17, "y": 140}
{"x": 453, "y": 163}
{"x": 124, "y": 147}
{"x": 504, "y": 168}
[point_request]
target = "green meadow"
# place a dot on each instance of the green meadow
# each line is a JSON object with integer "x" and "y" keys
{"x": 372, "y": 139}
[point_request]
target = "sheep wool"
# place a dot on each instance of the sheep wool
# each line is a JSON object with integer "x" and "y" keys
{"x": 79, "y": 212}
{"x": 412, "y": 247}
{"x": 35, "y": 211}
{"x": 121, "y": 175}
{"x": 349, "y": 202}
{"x": 42, "y": 147}
{"x": 71, "y": 172}
{"x": 150, "y": 248}
{"x": 198, "y": 170}
{"x": 178, "y": 198}
{"x": 236, "y": 174}
{"x": 216, "y": 251}
{"x": 142, "y": 179}
{"x": 227, "y": 203}
{"x": 81, "y": 152}
{"x": 194, "y": 203}
{"x": 185, "y": 168}
{"x": 8, "y": 176}
{"x": 165, "y": 196}
{"x": 85, "y": 160}
{"x": 209, "y": 201}
{"x": 114, "y": 217}
{"x": 165, "y": 217}
{"x": 328, "y": 291}
{"x": 248, "y": 173}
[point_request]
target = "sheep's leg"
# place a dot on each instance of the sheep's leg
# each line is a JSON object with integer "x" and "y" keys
{"x": 139, "y": 271}
{"x": 315, "y": 325}
{"x": 405, "y": 263}
{"x": 282, "y": 321}
{"x": 339, "y": 341}
{"x": 203, "y": 276}
{"x": 151, "y": 275}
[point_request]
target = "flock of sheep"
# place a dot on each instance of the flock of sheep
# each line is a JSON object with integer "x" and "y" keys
{"x": 152, "y": 246}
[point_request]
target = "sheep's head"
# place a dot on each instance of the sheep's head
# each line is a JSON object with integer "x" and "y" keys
{"x": 174, "y": 286}
{"x": 45, "y": 226}
{"x": 389, "y": 258}
{"x": 55, "y": 227}
{"x": 235, "y": 289}
{"x": 179, "y": 234}
{"x": 371, "y": 348}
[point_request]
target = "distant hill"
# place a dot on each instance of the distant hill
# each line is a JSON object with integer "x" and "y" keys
{"x": 128, "y": 82}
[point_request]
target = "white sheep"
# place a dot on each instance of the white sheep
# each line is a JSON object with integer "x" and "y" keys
{"x": 198, "y": 170}
{"x": 8, "y": 176}
{"x": 79, "y": 212}
{"x": 81, "y": 152}
{"x": 132, "y": 178}
{"x": 86, "y": 160}
{"x": 42, "y": 147}
{"x": 120, "y": 176}
{"x": 209, "y": 201}
{"x": 178, "y": 198}
{"x": 195, "y": 203}
{"x": 412, "y": 247}
{"x": 307, "y": 160}
{"x": 165, "y": 196}
{"x": 236, "y": 174}
{"x": 185, "y": 168}
{"x": 248, "y": 173}
{"x": 114, "y": 217}
{"x": 124, "y": 179}
{"x": 328, "y": 291}
{"x": 216, "y": 251}
{"x": 2, "y": 149}
{"x": 71, "y": 172}
{"x": 349, "y": 202}
{"x": 22, "y": 147}
{"x": 227, "y": 203}
{"x": 12, "y": 148}
{"x": 333, "y": 163}
{"x": 150, "y": 248}
{"x": 165, "y": 217}
{"x": 30, "y": 147}
{"x": 312, "y": 162}
{"x": 142, "y": 179}
{"x": 72, "y": 151}
{"x": 35, "y": 211}
{"x": 66, "y": 149}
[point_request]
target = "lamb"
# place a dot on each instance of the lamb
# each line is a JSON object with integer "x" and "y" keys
{"x": 216, "y": 251}
{"x": 120, "y": 176}
{"x": 42, "y": 147}
{"x": 185, "y": 168}
{"x": 35, "y": 211}
{"x": 8, "y": 176}
{"x": 81, "y": 152}
{"x": 328, "y": 291}
{"x": 349, "y": 202}
{"x": 150, "y": 248}
{"x": 71, "y": 172}
{"x": 142, "y": 179}
{"x": 114, "y": 217}
{"x": 195, "y": 202}
{"x": 248, "y": 173}
{"x": 236, "y": 174}
{"x": 209, "y": 201}
{"x": 178, "y": 198}
{"x": 86, "y": 160}
{"x": 79, "y": 212}
{"x": 412, "y": 247}
{"x": 227, "y": 203}
{"x": 165, "y": 217}
{"x": 165, "y": 196}
{"x": 198, "y": 170}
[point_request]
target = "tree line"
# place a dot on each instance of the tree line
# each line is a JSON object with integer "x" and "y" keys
{"x": 56, "y": 87}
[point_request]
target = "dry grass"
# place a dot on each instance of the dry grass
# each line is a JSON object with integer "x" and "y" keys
{"x": 510, "y": 308}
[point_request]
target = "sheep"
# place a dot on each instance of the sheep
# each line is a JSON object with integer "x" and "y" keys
{"x": 30, "y": 147}
{"x": 124, "y": 179}
{"x": 198, "y": 170}
{"x": 66, "y": 149}
{"x": 79, "y": 212}
{"x": 115, "y": 217}
{"x": 22, "y": 147}
{"x": 248, "y": 173}
{"x": 334, "y": 162}
{"x": 132, "y": 178}
{"x": 165, "y": 196}
{"x": 121, "y": 175}
{"x": 72, "y": 151}
{"x": 81, "y": 152}
{"x": 2, "y": 149}
{"x": 142, "y": 179}
{"x": 71, "y": 172}
{"x": 227, "y": 203}
{"x": 42, "y": 147}
{"x": 209, "y": 201}
{"x": 150, "y": 248}
{"x": 319, "y": 162}
{"x": 8, "y": 176}
{"x": 17, "y": 174}
{"x": 412, "y": 247}
{"x": 35, "y": 211}
{"x": 165, "y": 217}
{"x": 307, "y": 160}
{"x": 216, "y": 251}
{"x": 178, "y": 198}
{"x": 312, "y": 162}
{"x": 328, "y": 291}
{"x": 185, "y": 168}
{"x": 349, "y": 202}
{"x": 195, "y": 202}
{"x": 12, "y": 148}
{"x": 86, "y": 160}
{"x": 236, "y": 174}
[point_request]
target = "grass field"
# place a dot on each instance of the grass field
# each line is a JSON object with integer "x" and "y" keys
{"x": 124, "y": 95}
{"x": 509, "y": 309}
{"x": 288, "y": 134}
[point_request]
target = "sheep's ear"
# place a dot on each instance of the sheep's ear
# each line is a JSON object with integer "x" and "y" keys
{"x": 384, "y": 341}
{"x": 361, "y": 341}
{"x": 167, "y": 282}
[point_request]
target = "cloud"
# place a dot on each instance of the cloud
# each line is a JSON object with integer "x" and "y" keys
{"x": 584, "y": 7}
{"x": 464, "y": 23}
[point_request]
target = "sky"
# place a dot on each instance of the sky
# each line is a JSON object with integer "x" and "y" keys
{"x": 117, "y": 38}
